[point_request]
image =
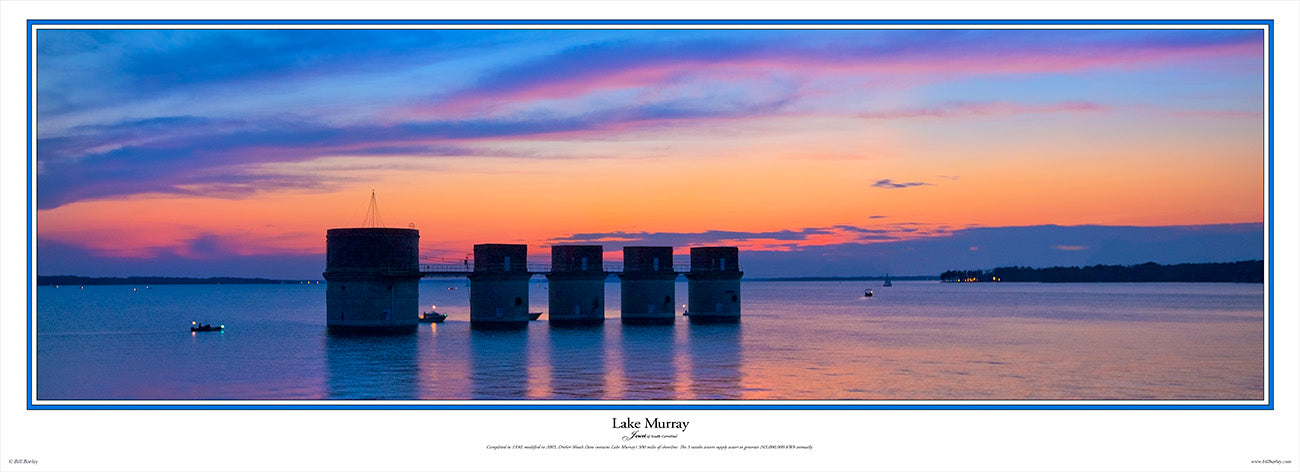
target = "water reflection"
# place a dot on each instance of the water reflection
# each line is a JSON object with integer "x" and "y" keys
{"x": 715, "y": 361}
{"x": 913, "y": 341}
{"x": 578, "y": 362}
{"x": 498, "y": 364}
{"x": 369, "y": 367}
{"x": 649, "y": 362}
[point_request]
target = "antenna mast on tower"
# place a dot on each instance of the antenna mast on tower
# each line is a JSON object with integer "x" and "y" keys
{"x": 372, "y": 214}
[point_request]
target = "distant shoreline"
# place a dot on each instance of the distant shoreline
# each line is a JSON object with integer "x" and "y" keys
{"x": 42, "y": 280}
{"x": 1251, "y": 271}
{"x": 841, "y": 279}
{"x": 1239, "y": 272}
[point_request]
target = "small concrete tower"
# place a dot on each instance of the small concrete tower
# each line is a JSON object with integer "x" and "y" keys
{"x": 713, "y": 285}
{"x": 577, "y": 286}
{"x": 373, "y": 278}
{"x": 648, "y": 285}
{"x": 498, "y": 286}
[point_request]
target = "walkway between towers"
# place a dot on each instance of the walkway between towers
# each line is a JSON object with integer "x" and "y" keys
{"x": 465, "y": 268}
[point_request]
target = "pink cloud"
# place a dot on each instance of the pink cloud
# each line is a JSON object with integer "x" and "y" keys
{"x": 1220, "y": 114}
{"x": 959, "y": 109}
{"x": 481, "y": 102}
{"x": 1064, "y": 247}
{"x": 658, "y": 73}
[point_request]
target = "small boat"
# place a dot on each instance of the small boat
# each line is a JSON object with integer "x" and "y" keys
{"x": 867, "y": 294}
{"x": 888, "y": 283}
{"x": 195, "y": 327}
{"x": 432, "y": 316}
{"x": 534, "y": 316}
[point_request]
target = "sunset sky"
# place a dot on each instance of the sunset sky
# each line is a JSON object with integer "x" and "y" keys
{"x": 818, "y": 152}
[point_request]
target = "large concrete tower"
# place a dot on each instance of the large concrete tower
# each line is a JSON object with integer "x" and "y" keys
{"x": 498, "y": 286}
{"x": 713, "y": 285}
{"x": 576, "y": 286}
{"x": 648, "y": 285}
{"x": 372, "y": 277}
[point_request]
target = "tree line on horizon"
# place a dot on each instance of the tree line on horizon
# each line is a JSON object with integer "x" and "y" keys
{"x": 79, "y": 280}
{"x": 1238, "y": 272}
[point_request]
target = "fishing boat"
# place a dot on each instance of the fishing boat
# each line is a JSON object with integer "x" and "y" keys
{"x": 195, "y": 327}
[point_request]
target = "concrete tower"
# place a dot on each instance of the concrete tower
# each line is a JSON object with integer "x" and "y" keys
{"x": 648, "y": 285}
{"x": 713, "y": 285}
{"x": 577, "y": 286}
{"x": 372, "y": 277}
{"x": 498, "y": 286}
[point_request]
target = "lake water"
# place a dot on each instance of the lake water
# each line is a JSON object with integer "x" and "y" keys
{"x": 796, "y": 341}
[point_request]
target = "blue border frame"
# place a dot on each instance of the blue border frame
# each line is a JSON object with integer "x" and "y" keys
{"x": 625, "y": 407}
{"x": 1271, "y": 222}
{"x": 614, "y": 405}
{"x": 30, "y": 216}
{"x": 655, "y": 22}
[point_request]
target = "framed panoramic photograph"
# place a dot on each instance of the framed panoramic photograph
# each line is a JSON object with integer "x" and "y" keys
{"x": 471, "y": 241}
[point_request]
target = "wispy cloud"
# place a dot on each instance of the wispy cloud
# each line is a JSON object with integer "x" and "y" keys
{"x": 856, "y": 229}
{"x": 638, "y": 61}
{"x": 1064, "y": 247}
{"x": 789, "y": 239}
{"x": 204, "y": 256}
{"x": 955, "y": 109}
{"x": 889, "y": 183}
{"x": 1226, "y": 114}
{"x": 687, "y": 239}
{"x": 167, "y": 154}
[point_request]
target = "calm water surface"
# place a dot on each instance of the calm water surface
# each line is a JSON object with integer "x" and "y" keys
{"x": 797, "y": 340}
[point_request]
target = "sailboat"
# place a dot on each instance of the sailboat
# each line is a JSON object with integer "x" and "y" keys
{"x": 888, "y": 283}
